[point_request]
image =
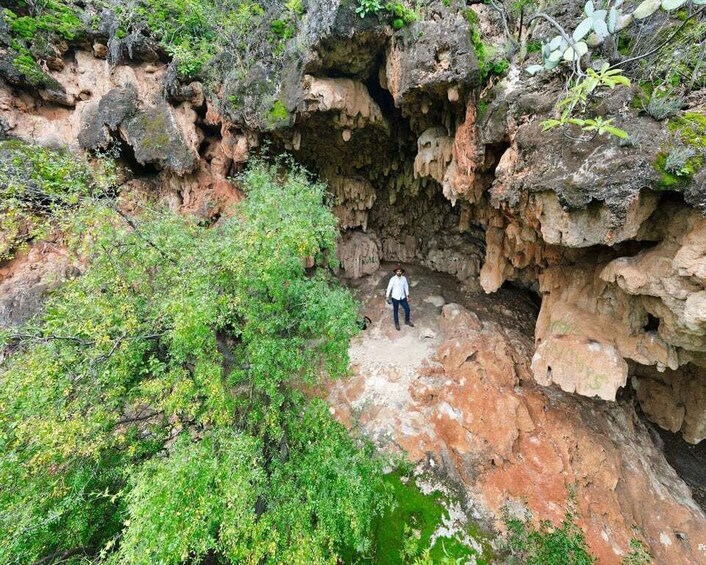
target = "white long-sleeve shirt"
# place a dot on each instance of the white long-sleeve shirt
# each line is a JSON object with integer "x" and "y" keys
{"x": 397, "y": 288}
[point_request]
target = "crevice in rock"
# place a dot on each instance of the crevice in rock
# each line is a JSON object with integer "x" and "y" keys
{"x": 652, "y": 324}
{"x": 126, "y": 155}
{"x": 379, "y": 93}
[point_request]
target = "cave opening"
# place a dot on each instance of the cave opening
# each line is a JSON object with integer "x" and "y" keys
{"x": 669, "y": 404}
{"x": 124, "y": 153}
{"x": 385, "y": 169}
{"x": 652, "y": 324}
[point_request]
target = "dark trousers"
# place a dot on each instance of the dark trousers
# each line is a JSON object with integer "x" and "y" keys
{"x": 395, "y": 309}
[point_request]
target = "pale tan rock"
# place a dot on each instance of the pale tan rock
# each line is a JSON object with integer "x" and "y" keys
{"x": 100, "y": 51}
{"x": 660, "y": 404}
{"x": 674, "y": 399}
{"x": 347, "y": 99}
{"x": 583, "y": 228}
{"x": 508, "y": 443}
{"x": 359, "y": 254}
{"x": 86, "y": 79}
{"x": 668, "y": 276}
{"x": 353, "y": 199}
{"x": 694, "y": 395}
{"x": 434, "y": 153}
{"x": 580, "y": 365}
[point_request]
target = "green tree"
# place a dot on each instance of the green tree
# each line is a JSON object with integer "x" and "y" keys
{"x": 154, "y": 413}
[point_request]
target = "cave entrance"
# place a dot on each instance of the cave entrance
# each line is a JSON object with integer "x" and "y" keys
{"x": 669, "y": 403}
{"x": 385, "y": 167}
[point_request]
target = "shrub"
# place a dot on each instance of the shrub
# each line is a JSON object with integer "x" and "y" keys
{"x": 368, "y": 8}
{"x": 664, "y": 105}
{"x": 677, "y": 161}
{"x": 546, "y": 543}
{"x": 153, "y": 412}
{"x": 38, "y": 186}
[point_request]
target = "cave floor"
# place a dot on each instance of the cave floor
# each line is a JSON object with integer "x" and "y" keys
{"x": 390, "y": 362}
{"x": 509, "y": 307}
{"x": 390, "y": 366}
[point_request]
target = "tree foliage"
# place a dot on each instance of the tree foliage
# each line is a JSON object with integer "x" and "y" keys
{"x": 37, "y": 185}
{"x": 154, "y": 413}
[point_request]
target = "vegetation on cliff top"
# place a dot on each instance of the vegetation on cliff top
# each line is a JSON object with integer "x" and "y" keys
{"x": 196, "y": 34}
{"x": 154, "y": 412}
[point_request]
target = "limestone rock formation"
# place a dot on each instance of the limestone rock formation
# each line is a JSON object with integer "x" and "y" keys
{"x": 433, "y": 159}
{"x": 439, "y": 61}
{"x": 353, "y": 106}
{"x": 359, "y": 254}
{"x": 353, "y": 198}
{"x": 434, "y": 151}
{"x": 467, "y": 400}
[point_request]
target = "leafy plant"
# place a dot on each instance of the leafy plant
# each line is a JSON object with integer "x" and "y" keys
{"x": 488, "y": 63}
{"x": 597, "y": 25}
{"x": 546, "y": 543}
{"x": 154, "y": 413}
{"x": 368, "y": 8}
{"x": 54, "y": 17}
{"x": 39, "y": 185}
{"x": 663, "y": 105}
{"x": 278, "y": 113}
{"x": 577, "y": 99}
{"x": 639, "y": 554}
{"x": 678, "y": 161}
{"x": 398, "y": 14}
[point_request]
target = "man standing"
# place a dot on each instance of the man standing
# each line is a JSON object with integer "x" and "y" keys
{"x": 398, "y": 290}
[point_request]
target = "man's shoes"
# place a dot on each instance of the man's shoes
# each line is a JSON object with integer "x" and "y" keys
{"x": 409, "y": 324}
{"x": 397, "y": 327}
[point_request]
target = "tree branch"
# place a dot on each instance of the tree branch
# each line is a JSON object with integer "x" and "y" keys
{"x": 564, "y": 35}
{"x": 661, "y": 45}
{"x": 135, "y": 227}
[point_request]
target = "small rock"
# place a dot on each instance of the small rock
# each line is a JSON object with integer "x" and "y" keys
{"x": 428, "y": 333}
{"x": 100, "y": 51}
{"x": 55, "y": 64}
{"x": 436, "y": 300}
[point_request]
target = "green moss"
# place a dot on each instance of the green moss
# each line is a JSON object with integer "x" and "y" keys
{"x": 156, "y": 130}
{"x": 691, "y": 129}
{"x": 403, "y": 534}
{"x": 642, "y": 96}
{"x": 400, "y": 14}
{"x": 686, "y": 156}
{"x": 534, "y": 46}
{"x": 278, "y": 113}
{"x": 31, "y": 34}
{"x": 488, "y": 62}
{"x": 676, "y": 65}
{"x": 625, "y": 44}
{"x": 57, "y": 17}
{"x": 547, "y": 543}
{"x": 668, "y": 180}
{"x": 31, "y": 71}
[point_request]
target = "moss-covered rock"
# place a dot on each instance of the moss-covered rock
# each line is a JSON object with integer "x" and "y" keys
{"x": 98, "y": 121}
{"x": 155, "y": 138}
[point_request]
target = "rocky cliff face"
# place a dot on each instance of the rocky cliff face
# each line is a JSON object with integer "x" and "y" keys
{"x": 431, "y": 163}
